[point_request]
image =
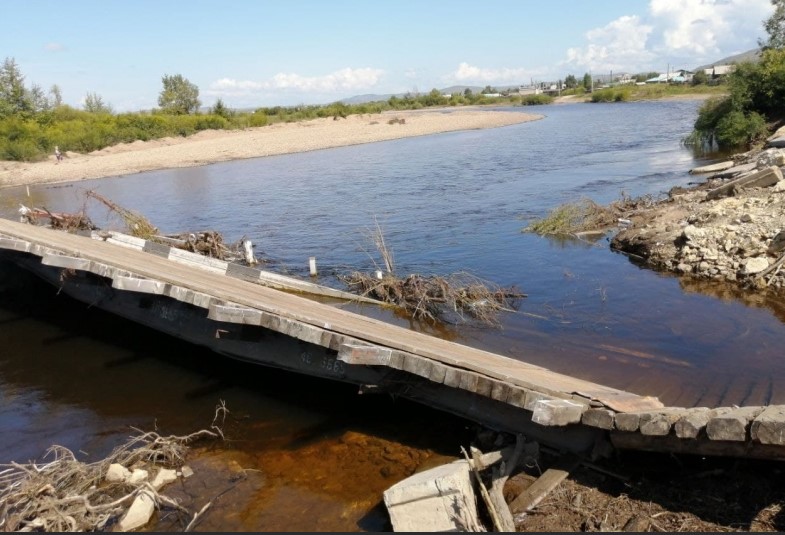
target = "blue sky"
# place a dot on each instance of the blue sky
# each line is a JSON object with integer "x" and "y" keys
{"x": 288, "y": 52}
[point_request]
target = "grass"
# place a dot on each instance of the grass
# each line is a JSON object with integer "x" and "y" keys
{"x": 570, "y": 219}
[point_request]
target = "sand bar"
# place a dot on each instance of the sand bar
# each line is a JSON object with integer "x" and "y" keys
{"x": 223, "y": 145}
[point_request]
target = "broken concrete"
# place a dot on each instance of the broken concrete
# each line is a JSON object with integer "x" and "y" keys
{"x": 761, "y": 179}
{"x": 439, "y": 499}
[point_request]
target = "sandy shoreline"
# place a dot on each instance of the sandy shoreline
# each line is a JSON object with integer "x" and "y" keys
{"x": 219, "y": 146}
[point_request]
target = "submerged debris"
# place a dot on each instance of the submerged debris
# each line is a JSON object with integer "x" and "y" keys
{"x": 68, "y": 495}
{"x": 438, "y": 298}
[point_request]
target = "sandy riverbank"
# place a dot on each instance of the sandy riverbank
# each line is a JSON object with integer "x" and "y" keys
{"x": 219, "y": 145}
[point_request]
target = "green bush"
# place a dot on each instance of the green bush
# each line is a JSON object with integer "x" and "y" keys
{"x": 536, "y": 100}
{"x": 612, "y": 94}
{"x": 757, "y": 96}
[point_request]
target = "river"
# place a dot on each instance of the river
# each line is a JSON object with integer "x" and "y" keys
{"x": 447, "y": 203}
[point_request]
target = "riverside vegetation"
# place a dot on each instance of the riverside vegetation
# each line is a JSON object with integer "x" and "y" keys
{"x": 33, "y": 122}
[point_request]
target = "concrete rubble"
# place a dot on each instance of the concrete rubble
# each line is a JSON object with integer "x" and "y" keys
{"x": 730, "y": 228}
{"x": 439, "y": 499}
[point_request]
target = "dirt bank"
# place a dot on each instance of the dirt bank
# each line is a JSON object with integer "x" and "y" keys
{"x": 283, "y": 138}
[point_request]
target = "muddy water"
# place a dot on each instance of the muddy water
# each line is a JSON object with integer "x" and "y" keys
{"x": 447, "y": 203}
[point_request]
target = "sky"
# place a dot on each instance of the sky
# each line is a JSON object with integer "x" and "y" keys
{"x": 253, "y": 53}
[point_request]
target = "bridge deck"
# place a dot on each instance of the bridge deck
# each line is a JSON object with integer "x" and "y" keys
{"x": 632, "y": 420}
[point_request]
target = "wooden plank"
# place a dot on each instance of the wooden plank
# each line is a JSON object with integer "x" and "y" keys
{"x": 134, "y": 284}
{"x": 701, "y": 446}
{"x": 548, "y": 481}
{"x": 769, "y": 426}
{"x": 732, "y": 425}
{"x": 123, "y": 240}
{"x": 196, "y": 260}
{"x": 66, "y": 262}
{"x": 364, "y": 355}
{"x": 557, "y": 412}
{"x": 233, "y": 314}
{"x": 12, "y": 244}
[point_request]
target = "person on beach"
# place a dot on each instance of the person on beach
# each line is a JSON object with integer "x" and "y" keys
{"x": 58, "y": 155}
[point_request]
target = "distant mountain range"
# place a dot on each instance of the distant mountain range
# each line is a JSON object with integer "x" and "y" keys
{"x": 750, "y": 55}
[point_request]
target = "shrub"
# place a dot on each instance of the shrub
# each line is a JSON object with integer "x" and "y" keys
{"x": 536, "y": 100}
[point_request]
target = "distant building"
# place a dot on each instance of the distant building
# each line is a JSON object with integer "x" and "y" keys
{"x": 719, "y": 70}
{"x": 675, "y": 77}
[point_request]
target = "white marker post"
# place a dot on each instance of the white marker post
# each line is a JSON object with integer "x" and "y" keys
{"x": 312, "y": 265}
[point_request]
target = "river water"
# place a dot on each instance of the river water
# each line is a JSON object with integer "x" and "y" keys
{"x": 447, "y": 203}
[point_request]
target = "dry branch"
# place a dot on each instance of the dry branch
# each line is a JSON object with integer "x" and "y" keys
{"x": 438, "y": 298}
{"x": 137, "y": 224}
{"x": 68, "y": 495}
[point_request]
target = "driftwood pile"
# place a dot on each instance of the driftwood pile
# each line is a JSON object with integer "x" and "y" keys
{"x": 56, "y": 220}
{"x": 65, "y": 494}
{"x": 457, "y": 297}
{"x": 208, "y": 243}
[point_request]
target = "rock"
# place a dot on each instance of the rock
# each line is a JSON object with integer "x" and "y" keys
{"x": 139, "y": 513}
{"x": 693, "y": 233}
{"x": 427, "y": 500}
{"x": 187, "y": 471}
{"x": 755, "y": 265}
{"x": 117, "y": 473}
{"x": 138, "y": 477}
{"x": 163, "y": 477}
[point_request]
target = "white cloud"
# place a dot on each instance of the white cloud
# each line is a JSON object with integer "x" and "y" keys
{"x": 471, "y": 73}
{"x": 54, "y": 47}
{"x": 613, "y": 46}
{"x": 339, "y": 81}
{"x": 680, "y": 32}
